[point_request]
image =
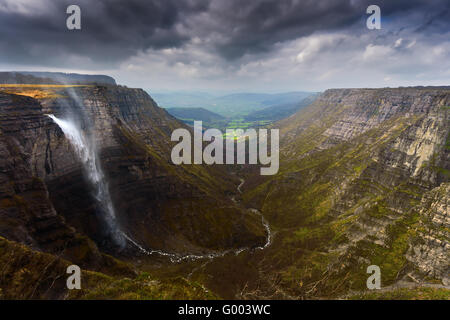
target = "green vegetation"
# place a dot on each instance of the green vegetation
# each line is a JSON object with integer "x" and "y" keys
{"x": 143, "y": 287}
{"x": 419, "y": 293}
{"x": 447, "y": 142}
{"x": 324, "y": 204}
{"x": 29, "y": 274}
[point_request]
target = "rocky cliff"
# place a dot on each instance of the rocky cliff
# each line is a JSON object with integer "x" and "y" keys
{"x": 179, "y": 209}
{"x": 26, "y": 211}
{"x": 363, "y": 180}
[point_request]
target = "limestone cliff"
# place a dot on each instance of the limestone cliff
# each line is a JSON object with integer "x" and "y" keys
{"x": 363, "y": 180}
{"x": 48, "y": 216}
{"x": 160, "y": 205}
{"x": 26, "y": 213}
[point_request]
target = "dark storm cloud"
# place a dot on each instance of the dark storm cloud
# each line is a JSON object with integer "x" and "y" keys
{"x": 255, "y": 26}
{"x": 438, "y": 22}
{"x": 112, "y": 31}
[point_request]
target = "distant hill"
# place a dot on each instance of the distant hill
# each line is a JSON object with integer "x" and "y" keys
{"x": 31, "y": 77}
{"x": 199, "y": 114}
{"x": 182, "y": 99}
{"x": 231, "y": 106}
{"x": 264, "y": 99}
{"x": 189, "y": 115}
{"x": 279, "y": 111}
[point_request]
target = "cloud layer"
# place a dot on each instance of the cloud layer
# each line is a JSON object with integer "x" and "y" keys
{"x": 258, "y": 44}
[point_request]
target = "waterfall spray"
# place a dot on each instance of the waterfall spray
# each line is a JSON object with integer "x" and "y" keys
{"x": 87, "y": 152}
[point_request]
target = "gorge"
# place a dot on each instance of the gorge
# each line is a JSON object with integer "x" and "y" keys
{"x": 86, "y": 178}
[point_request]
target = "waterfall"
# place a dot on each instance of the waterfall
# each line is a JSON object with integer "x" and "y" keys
{"x": 86, "y": 150}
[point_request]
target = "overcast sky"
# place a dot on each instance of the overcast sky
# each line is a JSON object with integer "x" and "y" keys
{"x": 232, "y": 45}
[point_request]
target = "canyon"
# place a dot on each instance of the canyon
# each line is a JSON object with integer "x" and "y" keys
{"x": 364, "y": 178}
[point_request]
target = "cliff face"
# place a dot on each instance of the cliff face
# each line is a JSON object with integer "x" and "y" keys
{"x": 26, "y": 213}
{"x": 363, "y": 180}
{"x": 48, "y": 216}
{"x": 160, "y": 205}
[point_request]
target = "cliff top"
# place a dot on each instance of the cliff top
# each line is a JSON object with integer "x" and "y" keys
{"x": 31, "y": 77}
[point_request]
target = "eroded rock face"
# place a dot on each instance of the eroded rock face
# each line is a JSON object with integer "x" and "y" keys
{"x": 357, "y": 167}
{"x": 26, "y": 213}
{"x": 430, "y": 250}
{"x": 364, "y": 109}
{"x": 413, "y": 160}
{"x": 160, "y": 205}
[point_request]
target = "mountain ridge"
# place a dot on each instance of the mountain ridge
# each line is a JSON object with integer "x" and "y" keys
{"x": 38, "y": 77}
{"x": 231, "y": 105}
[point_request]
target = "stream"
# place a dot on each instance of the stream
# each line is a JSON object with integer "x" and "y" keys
{"x": 173, "y": 257}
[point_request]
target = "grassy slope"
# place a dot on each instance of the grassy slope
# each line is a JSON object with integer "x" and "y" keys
{"x": 29, "y": 274}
